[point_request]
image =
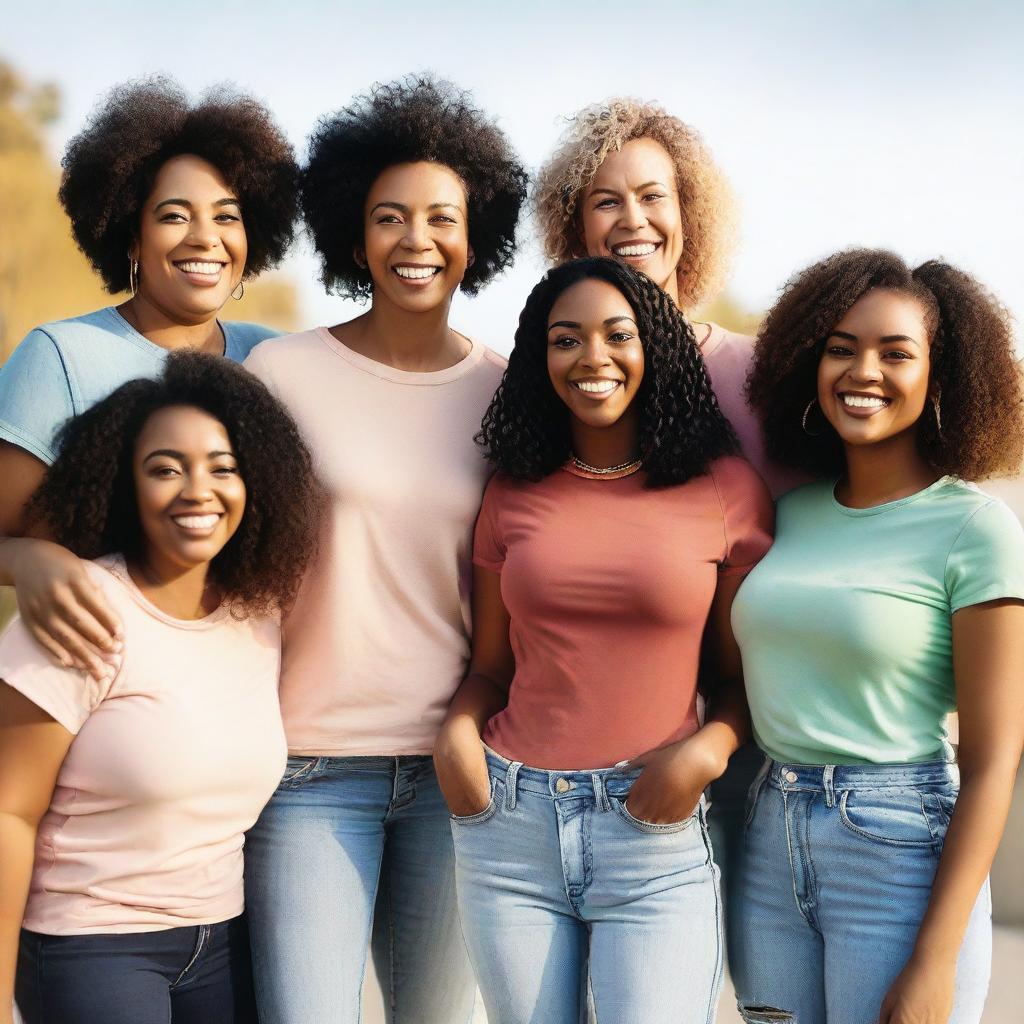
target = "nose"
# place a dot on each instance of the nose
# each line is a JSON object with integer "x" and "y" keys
{"x": 594, "y": 354}
{"x": 631, "y": 214}
{"x": 866, "y": 368}
{"x": 204, "y": 233}
{"x": 415, "y": 238}
{"x": 197, "y": 488}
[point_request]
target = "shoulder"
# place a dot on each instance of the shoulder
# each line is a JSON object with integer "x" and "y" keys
{"x": 986, "y": 519}
{"x": 487, "y": 369}
{"x": 727, "y": 349}
{"x": 269, "y": 354}
{"x": 493, "y": 361}
{"x": 807, "y": 496}
{"x": 734, "y": 477}
{"x": 241, "y": 338}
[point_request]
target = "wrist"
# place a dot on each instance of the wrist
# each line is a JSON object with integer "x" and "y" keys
{"x": 712, "y": 745}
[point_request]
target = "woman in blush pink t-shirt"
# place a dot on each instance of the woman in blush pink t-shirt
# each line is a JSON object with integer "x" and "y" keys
{"x": 124, "y": 800}
{"x": 609, "y": 545}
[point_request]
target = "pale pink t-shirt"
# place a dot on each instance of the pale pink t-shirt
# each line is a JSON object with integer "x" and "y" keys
{"x": 377, "y": 642}
{"x": 608, "y": 585}
{"x": 172, "y": 760}
{"x": 728, "y": 357}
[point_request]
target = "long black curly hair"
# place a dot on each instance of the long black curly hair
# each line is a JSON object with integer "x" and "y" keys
{"x": 111, "y": 165}
{"x": 418, "y": 118}
{"x": 975, "y": 382}
{"x": 87, "y": 498}
{"x": 526, "y": 430}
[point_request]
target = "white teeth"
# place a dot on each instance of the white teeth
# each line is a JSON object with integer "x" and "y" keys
{"x": 197, "y": 522}
{"x": 596, "y": 387}
{"x": 200, "y": 267}
{"x": 416, "y": 273}
{"x": 634, "y": 250}
{"x": 864, "y": 402}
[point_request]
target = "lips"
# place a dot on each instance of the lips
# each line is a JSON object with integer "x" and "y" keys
{"x": 635, "y": 249}
{"x": 409, "y": 272}
{"x": 195, "y": 523}
{"x": 201, "y": 272}
{"x": 596, "y": 388}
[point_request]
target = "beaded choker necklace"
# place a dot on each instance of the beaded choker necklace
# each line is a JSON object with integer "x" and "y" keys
{"x": 604, "y": 472}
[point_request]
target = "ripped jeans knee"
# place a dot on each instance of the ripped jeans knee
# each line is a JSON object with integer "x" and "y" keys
{"x": 765, "y": 1015}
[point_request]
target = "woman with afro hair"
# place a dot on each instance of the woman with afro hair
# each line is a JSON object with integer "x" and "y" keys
{"x": 124, "y": 799}
{"x": 609, "y": 544}
{"x": 177, "y": 203}
{"x": 410, "y": 193}
{"x": 894, "y": 594}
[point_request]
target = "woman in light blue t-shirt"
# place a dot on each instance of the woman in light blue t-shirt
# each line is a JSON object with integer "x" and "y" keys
{"x": 894, "y": 595}
{"x": 176, "y": 203}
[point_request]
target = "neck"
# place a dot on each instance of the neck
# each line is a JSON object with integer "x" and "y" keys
{"x": 671, "y": 288}
{"x": 179, "y": 591}
{"x": 419, "y": 342}
{"x": 159, "y": 326}
{"x": 602, "y": 447}
{"x": 887, "y": 471}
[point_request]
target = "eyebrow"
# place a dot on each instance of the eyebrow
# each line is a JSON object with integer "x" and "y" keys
{"x": 639, "y": 188}
{"x": 402, "y": 208}
{"x": 607, "y": 323}
{"x": 185, "y": 202}
{"x": 886, "y": 338}
{"x": 180, "y": 456}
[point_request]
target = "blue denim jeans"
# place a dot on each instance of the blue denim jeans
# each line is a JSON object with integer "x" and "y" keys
{"x": 836, "y": 873}
{"x": 192, "y": 975}
{"x": 348, "y": 845}
{"x": 556, "y": 879}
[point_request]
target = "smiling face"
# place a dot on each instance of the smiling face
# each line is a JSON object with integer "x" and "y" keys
{"x": 416, "y": 237}
{"x": 594, "y": 354}
{"x": 873, "y": 373}
{"x": 191, "y": 246}
{"x": 188, "y": 488}
{"x": 631, "y": 212}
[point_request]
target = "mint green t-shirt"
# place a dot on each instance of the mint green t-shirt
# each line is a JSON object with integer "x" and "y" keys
{"x": 846, "y": 624}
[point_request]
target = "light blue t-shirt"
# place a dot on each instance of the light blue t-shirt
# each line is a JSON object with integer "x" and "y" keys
{"x": 61, "y": 369}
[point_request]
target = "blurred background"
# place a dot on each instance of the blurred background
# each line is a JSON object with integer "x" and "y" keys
{"x": 893, "y": 123}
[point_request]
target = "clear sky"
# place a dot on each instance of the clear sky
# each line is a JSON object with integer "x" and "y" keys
{"x": 896, "y": 123}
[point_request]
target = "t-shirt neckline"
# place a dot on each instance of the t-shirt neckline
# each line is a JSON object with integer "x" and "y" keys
{"x": 887, "y": 506}
{"x": 426, "y": 378}
{"x": 139, "y": 337}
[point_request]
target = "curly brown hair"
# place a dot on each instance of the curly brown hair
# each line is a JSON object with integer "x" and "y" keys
{"x": 110, "y": 167}
{"x": 87, "y": 498}
{"x": 705, "y": 199}
{"x": 974, "y": 376}
{"x": 526, "y": 430}
{"x": 418, "y": 118}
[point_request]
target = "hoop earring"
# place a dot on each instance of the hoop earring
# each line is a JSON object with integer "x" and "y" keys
{"x": 803, "y": 420}
{"x": 133, "y": 276}
{"x": 938, "y": 414}
{"x": 240, "y": 288}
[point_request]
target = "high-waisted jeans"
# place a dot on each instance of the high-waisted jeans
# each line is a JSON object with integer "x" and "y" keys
{"x": 836, "y": 874}
{"x": 348, "y": 845}
{"x": 557, "y": 880}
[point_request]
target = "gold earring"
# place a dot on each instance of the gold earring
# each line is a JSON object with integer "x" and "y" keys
{"x": 803, "y": 421}
{"x": 240, "y": 288}
{"x": 938, "y": 414}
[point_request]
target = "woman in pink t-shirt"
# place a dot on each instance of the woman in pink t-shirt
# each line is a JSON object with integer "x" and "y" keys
{"x": 610, "y": 543}
{"x": 124, "y": 799}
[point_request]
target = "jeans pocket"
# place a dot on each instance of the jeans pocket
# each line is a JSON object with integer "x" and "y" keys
{"x": 896, "y": 817}
{"x": 298, "y": 770}
{"x": 480, "y": 816}
{"x": 619, "y": 804}
{"x": 754, "y": 793}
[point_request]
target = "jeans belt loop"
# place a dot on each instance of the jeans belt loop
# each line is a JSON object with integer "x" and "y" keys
{"x": 600, "y": 792}
{"x": 511, "y": 776}
{"x": 828, "y": 782}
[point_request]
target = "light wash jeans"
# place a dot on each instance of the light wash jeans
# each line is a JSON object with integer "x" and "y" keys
{"x": 556, "y": 878}
{"x": 835, "y": 877}
{"x": 346, "y": 841}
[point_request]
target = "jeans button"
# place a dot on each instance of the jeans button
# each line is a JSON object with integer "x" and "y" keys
{"x": 563, "y": 786}
{"x": 791, "y": 776}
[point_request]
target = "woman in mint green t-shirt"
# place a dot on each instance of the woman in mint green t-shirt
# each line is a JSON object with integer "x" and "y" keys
{"x": 894, "y": 594}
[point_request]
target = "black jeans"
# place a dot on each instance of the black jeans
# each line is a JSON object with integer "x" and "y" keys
{"x": 199, "y": 975}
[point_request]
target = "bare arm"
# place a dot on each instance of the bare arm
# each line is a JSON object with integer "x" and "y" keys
{"x": 32, "y": 749}
{"x": 988, "y": 660}
{"x": 60, "y": 605}
{"x": 459, "y": 753}
{"x": 675, "y": 776}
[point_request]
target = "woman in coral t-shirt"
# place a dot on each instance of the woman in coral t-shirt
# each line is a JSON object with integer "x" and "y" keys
{"x": 609, "y": 544}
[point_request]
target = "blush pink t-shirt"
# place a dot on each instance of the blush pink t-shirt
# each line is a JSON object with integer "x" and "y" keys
{"x": 172, "y": 760}
{"x": 608, "y": 585}
{"x": 728, "y": 357}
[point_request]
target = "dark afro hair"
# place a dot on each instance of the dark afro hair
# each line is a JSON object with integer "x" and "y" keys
{"x": 974, "y": 377}
{"x": 110, "y": 167}
{"x": 418, "y": 118}
{"x": 87, "y": 498}
{"x": 526, "y": 431}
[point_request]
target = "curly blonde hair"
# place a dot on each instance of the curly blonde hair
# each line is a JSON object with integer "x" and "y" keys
{"x": 706, "y": 200}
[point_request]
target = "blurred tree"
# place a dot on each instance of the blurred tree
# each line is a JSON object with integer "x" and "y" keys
{"x": 727, "y": 312}
{"x": 43, "y": 276}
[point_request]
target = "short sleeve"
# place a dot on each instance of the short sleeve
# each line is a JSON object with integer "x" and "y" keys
{"x": 748, "y": 513}
{"x": 986, "y": 562}
{"x": 35, "y": 396}
{"x": 66, "y": 694}
{"x": 241, "y": 338}
{"x": 488, "y": 545}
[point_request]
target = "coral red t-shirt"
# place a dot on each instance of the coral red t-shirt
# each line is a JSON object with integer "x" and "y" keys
{"x": 608, "y": 585}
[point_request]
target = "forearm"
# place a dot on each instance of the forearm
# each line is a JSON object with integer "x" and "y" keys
{"x": 476, "y": 701}
{"x": 17, "y": 850}
{"x": 970, "y": 847}
{"x": 10, "y": 548}
{"x": 727, "y": 725}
